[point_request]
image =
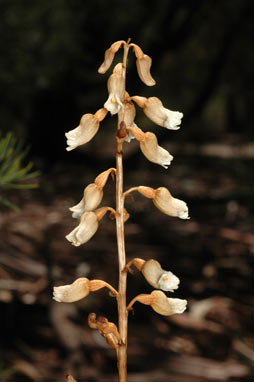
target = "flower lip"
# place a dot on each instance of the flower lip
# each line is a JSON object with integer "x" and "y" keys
{"x": 168, "y": 282}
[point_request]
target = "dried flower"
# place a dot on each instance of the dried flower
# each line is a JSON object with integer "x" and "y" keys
{"x": 88, "y": 127}
{"x": 154, "y": 110}
{"x": 116, "y": 89}
{"x": 143, "y": 63}
{"x": 156, "y": 276}
{"x": 160, "y": 303}
{"x": 107, "y": 329}
{"x": 92, "y": 195}
{"x": 69, "y": 293}
{"x": 150, "y": 148}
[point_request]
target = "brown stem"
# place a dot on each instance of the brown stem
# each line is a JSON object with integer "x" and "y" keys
{"x": 121, "y": 298}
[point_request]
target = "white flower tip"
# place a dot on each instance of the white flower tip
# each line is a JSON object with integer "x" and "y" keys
{"x": 179, "y": 305}
{"x": 168, "y": 282}
{"x": 184, "y": 213}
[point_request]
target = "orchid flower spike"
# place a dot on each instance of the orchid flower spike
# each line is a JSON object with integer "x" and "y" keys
{"x": 150, "y": 148}
{"x": 155, "y": 275}
{"x": 86, "y": 130}
{"x": 154, "y": 110}
{"x": 116, "y": 89}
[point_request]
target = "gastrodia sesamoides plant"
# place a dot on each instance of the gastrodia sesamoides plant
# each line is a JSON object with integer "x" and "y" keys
{"x": 87, "y": 213}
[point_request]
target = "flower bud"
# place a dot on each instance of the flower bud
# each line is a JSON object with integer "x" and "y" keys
{"x": 167, "y": 306}
{"x": 109, "y": 56}
{"x": 87, "y": 227}
{"x": 150, "y": 148}
{"x": 69, "y": 293}
{"x": 144, "y": 64}
{"x": 88, "y": 127}
{"x": 116, "y": 89}
{"x": 165, "y": 202}
{"x": 158, "y": 278}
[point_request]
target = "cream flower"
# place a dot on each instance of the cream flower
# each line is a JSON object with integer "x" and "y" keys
{"x": 144, "y": 64}
{"x": 160, "y": 303}
{"x": 164, "y": 201}
{"x": 72, "y": 292}
{"x": 116, "y": 89}
{"x": 109, "y": 56}
{"x": 85, "y": 230}
{"x": 167, "y": 306}
{"x": 154, "y": 110}
{"x": 92, "y": 195}
{"x": 88, "y": 127}
{"x": 158, "y": 277}
{"x": 150, "y": 148}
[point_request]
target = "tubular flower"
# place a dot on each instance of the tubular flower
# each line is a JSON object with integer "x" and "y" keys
{"x": 69, "y": 293}
{"x": 85, "y": 230}
{"x": 79, "y": 289}
{"x": 109, "y": 56}
{"x": 116, "y": 89}
{"x": 143, "y": 64}
{"x": 167, "y": 306}
{"x": 150, "y": 148}
{"x": 88, "y": 127}
{"x": 156, "y": 276}
{"x": 160, "y": 303}
{"x": 165, "y": 202}
{"x": 92, "y": 195}
{"x": 154, "y": 110}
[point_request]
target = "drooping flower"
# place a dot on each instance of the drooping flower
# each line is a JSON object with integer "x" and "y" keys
{"x": 143, "y": 64}
{"x": 155, "y": 275}
{"x": 167, "y": 306}
{"x": 92, "y": 195}
{"x": 73, "y": 292}
{"x": 109, "y": 56}
{"x": 164, "y": 201}
{"x": 154, "y": 110}
{"x": 89, "y": 223}
{"x": 116, "y": 89}
{"x": 150, "y": 148}
{"x": 85, "y": 230}
{"x": 160, "y": 303}
{"x": 86, "y": 130}
{"x": 79, "y": 289}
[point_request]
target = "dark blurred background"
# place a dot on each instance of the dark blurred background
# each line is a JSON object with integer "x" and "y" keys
{"x": 203, "y": 63}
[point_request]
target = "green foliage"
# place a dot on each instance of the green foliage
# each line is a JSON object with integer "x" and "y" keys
{"x": 13, "y": 174}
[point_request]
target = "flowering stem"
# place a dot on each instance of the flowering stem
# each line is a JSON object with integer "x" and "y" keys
{"x": 121, "y": 298}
